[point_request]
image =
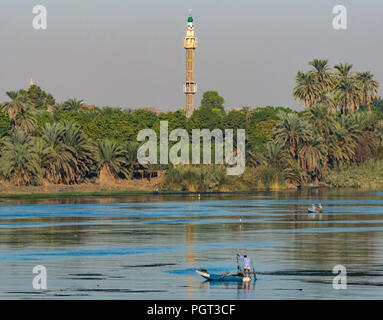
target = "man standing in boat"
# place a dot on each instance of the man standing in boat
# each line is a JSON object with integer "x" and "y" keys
{"x": 246, "y": 264}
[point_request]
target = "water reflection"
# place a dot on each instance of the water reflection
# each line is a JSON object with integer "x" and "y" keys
{"x": 244, "y": 290}
{"x": 131, "y": 247}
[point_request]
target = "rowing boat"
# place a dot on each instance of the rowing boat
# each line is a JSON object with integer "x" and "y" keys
{"x": 239, "y": 277}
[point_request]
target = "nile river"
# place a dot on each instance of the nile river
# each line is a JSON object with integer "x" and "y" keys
{"x": 148, "y": 247}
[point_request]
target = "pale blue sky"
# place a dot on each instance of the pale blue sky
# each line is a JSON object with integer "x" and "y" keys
{"x": 129, "y": 53}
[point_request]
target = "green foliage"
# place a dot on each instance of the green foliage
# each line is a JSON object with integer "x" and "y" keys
{"x": 212, "y": 100}
{"x": 368, "y": 175}
{"x": 214, "y": 179}
{"x": 202, "y": 179}
{"x": 71, "y": 143}
{"x": 377, "y": 107}
{"x": 98, "y": 125}
{"x": 268, "y": 113}
{"x": 19, "y": 162}
{"x": 5, "y": 124}
{"x": 340, "y": 88}
{"x": 20, "y": 112}
{"x": 207, "y": 118}
{"x": 111, "y": 159}
{"x": 235, "y": 120}
{"x": 42, "y": 118}
{"x": 38, "y": 98}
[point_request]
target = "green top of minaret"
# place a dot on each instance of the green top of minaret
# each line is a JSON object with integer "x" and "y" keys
{"x": 190, "y": 19}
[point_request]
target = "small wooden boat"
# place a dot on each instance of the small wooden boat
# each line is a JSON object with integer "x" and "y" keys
{"x": 317, "y": 209}
{"x": 239, "y": 277}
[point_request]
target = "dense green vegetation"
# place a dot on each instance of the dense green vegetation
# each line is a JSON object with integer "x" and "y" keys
{"x": 338, "y": 88}
{"x": 368, "y": 175}
{"x": 339, "y": 132}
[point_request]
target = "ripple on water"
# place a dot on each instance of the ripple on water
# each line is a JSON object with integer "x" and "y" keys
{"x": 138, "y": 249}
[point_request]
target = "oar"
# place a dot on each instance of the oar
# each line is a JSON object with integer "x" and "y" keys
{"x": 255, "y": 277}
{"x": 238, "y": 267}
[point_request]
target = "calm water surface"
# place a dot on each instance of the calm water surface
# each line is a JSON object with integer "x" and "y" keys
{"x": 148, "y": 247}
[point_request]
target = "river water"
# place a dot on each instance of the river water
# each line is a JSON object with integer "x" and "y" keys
{"x": 148, "y": 247}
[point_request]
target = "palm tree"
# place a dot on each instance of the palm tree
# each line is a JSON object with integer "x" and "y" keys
{"x": 76, "y": 141}
{"x": 347, "y": 90}
{"x": 371, "y": 122}
{"x": 19, "y": 162}
{"x": 131, "y": 149}
{"x": 13, "y": 107}
{"x": 343, "y": 141}
{"x": 111, "y": 159}
{"x": 339, "y": 152}
{"x": 312, "y": 157}
{"x": 72, "y": 105}
{"x": 295, "y": 174}
{"x": 322, "y": 120}
{"x": 325, "y": 97}
{"x": 276, "y": 155}
{"x": 369, "y": 87}
{"x": 322, "y": 74}
{"x": 291, "y": 131}
{"x": 25, "y": 119}
{"x": 306, "y": 88}
{"x": 352, "y": 124}
{"x": 371, "y": 128}
{"x": 348, "y": 95}
{"x": 19, "y": 111}
{"x": 58, "y": 159}
{"x": 343, "y": 71}
{"x": 254, "y": 156}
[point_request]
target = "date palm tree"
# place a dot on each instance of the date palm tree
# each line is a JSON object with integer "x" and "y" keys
{"x": 343, "y": 141}
{"x": 306, "y": 88}
{"x": 322, "y": 73}
{"x": 347, "y": 90}
{"x": 25, "y": 119}
{"x": 348, "y": 95}
{"x": 369, "y": 87}
{"x": 131, "y": 149}
{"x": 254, "y": 156}
{"x": 312, "y": 157}
{"x": 291, "y": 131}
{"x": 111, "y": 159}
{"x": 341, "y": 149}
{"x": 19, "y": 162}
{"x": 57, "y": 158}
{"x": 20, "y": 112}
{"x": 326, "y": 97}
{"x": 14, "y": 106}
{"x": 371, "y": 129}
{"x": 343, "y": 71}
{"x": 276, "y": 155}
{"x": 83, "y": 152}
{"x": 352, "y": 124}
{"x": 321, "y": 118}
{"x": 295, "y": 174}
{"x": 72, "y": 105}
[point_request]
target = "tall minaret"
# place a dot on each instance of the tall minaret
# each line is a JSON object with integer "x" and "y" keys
{"x": 190, "y": 87}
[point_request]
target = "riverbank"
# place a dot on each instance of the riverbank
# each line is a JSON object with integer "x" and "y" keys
{"x": 128, "y": 187}
{"x": 368, "y": 176}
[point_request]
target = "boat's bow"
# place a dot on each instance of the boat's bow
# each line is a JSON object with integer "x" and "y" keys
{"x": 203, "y": 273}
